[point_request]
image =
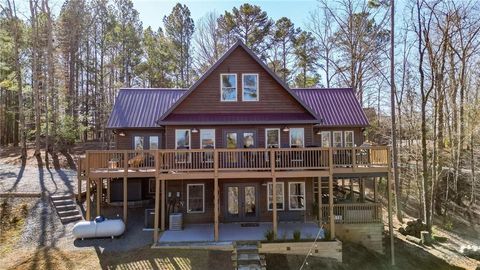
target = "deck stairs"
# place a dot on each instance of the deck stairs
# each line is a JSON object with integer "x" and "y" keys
{"x": 245, "y": 256}
{"x": 66, "y": 207}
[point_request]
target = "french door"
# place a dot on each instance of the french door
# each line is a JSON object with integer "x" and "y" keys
{"x": 241, "y": 202}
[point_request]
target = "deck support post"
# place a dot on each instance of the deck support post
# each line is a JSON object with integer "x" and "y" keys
{"x": 362, "y": 189}
{"x": 99, "y": 196}
{"x": 125, "y": 200}
{"x": 330, "y": 197}
{"x": 162, "y": 204}
{"x": 375, "y": 188}
{"x": 319, "y": 199}
{"x": 157, "y": 210}
{"x": 215, "y": 208}
{"x": 87, "y": 198}
{"x": 274, "y": 193}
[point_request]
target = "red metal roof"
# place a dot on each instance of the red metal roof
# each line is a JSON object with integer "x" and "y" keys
{"x": 142, "y": 108}
{"x": 334, "y": 106}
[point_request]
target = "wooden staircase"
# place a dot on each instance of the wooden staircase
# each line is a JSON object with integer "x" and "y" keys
{"x": 66, "y": 208}
{"x": 245, "y": 256}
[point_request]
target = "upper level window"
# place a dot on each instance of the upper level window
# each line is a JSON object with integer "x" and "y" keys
{"x": 207, "y": 141}
{"x": 228, "y": 87}
{"x": 297, "y": 138}
{"x": 138, "y": 142}
{"x": 337, "y": 139}
{"x": 250, "y": 87}
{"x": 153, "y": 142}
{"x": 272, "y": 138}
{"x": 182, "y": 141}
{"x": 325, "y": 138}
{"x": 349, "y": 138}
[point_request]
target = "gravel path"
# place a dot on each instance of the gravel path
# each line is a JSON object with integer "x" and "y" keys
{"x": 34, "y": 179}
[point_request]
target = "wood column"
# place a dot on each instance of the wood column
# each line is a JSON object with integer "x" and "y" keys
{"x": 162, "y": 206}
{"x": 157, "y": 210}
{"x": 274, "y": 193}
{"x": 375, "y": 188}
{"x": 87, "y": 198}
{"x": 99, "y": 196}
{"x": 362, "y": 189}
{"x": 216, "y": 208}
{"x": 319, "y": 198}
{"x": 330, "y": 197}
{"x": 125, "y": 200}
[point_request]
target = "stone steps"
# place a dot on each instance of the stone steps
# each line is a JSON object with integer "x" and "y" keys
{"x": 245, "y": 256}
{"x": 66, "y": 208}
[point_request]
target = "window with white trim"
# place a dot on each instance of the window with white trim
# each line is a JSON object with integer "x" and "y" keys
{"x": 280, "y": 196}
{"x": 250, "y": 91}
{"x": 138, "y": 142}
{"x": 153, "y": 142}
{"x": 296, "y": 195}
{"x": 228, "y": 87}
{"x": 272, "y": 138}
{"x": 195, "y": 198}
{"x": 297, "y": 137}
{"x": 337, "y": 139}
{"x": 207, "y": 141}
{"x": 182, "y": 141}
{"x": 326, "y": 138}
{"x": 349, "y": 138}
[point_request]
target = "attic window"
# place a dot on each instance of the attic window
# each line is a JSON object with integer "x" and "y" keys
{"x": 250, "y": 87}
{"x": 228, "y": 87}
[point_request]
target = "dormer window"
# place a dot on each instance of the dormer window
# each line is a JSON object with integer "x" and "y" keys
{"x": 250, "y": 87}
{"x": 228, "y": 87}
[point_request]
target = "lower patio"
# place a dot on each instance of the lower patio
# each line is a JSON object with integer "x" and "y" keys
{"x": 229, "y": 232}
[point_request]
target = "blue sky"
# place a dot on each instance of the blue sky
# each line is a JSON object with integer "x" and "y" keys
{"x": 152, "y": 11}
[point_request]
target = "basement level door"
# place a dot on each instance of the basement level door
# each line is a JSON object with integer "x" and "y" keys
{"x": 241, "y": 202}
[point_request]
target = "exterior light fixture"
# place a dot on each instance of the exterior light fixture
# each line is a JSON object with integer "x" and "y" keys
{"x": 286, "y": 129}
{"x": 194, "y": 130}
{"x": 319, "y": 132}
{"x": 122, "y": 134}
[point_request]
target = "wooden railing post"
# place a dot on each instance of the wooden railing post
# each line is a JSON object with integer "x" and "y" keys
{"x": 354, "y": 158}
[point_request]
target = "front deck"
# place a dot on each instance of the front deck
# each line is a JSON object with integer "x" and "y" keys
{"x": 218, "y": 164}
{"x": 234, "y": 163}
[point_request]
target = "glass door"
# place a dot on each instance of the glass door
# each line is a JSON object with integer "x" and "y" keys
{"x": 241, "y": 202}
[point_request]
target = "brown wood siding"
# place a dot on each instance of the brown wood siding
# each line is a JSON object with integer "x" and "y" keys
{"x": 264, "y": 214}
{"x": 126, "y": 142}
{"x": 272, "y": 96}
{"x": 221, "y": 130}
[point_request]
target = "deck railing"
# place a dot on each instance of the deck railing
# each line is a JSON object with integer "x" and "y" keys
{"x": 252, "y": 159}
{"x": 354, "y": 213}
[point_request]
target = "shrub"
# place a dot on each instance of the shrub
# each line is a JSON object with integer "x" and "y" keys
{"x": 269, "y": 235}
{"x": 296, "y": 235}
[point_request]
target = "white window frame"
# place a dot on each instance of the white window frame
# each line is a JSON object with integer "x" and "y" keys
{"x": 150, "y": 142}
{"x": 243, "y": 87}
{"x": 268, "y": 196}
{"x": 135, "y": 143}
{"x": 323, "y": 133}
{"x": 221, "y": 87}
{"x": 202, "y": 131}
{"x": 290, "y": 136}
{"x": 266, "y": 137}
{"x": 188, "y": 199}
{"x": 345, "y": 138}
{"x": 188, "y": 160}
{"x": 290, "y": 197}
{"x": 333, "y": 138}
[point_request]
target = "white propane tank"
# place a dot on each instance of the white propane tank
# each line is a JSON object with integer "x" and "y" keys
{"x": 98, "y": 228}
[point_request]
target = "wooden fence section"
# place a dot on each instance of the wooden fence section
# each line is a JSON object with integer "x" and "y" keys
{"x": 354, "y": 213}
{"x": 251, "y": 159}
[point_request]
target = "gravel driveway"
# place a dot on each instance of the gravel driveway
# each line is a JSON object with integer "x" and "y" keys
{"x": 43, "y": 227}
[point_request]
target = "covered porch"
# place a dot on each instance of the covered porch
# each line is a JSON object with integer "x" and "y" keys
{"x": 229, "y": 232}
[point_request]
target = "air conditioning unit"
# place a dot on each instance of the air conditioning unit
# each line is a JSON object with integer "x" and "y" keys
{"x": 176, "y": 222}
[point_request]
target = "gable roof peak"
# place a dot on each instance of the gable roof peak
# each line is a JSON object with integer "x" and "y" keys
{"x": 238, "y": 43}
